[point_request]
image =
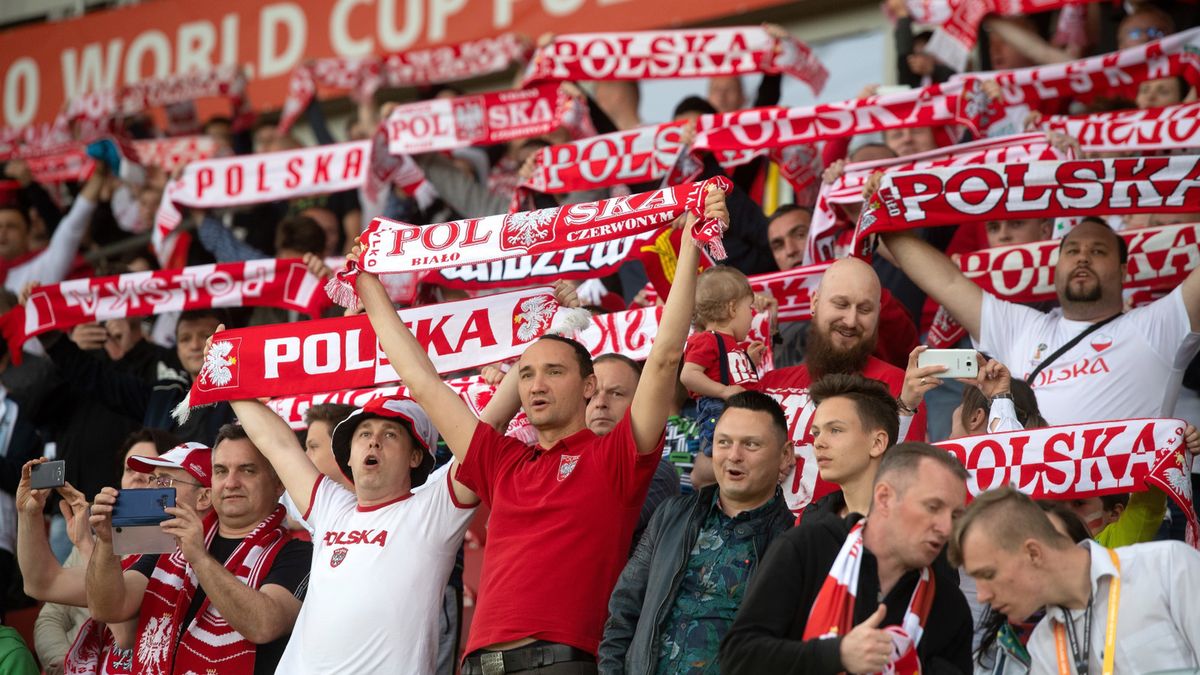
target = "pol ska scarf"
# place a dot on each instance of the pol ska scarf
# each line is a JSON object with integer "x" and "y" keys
{"x": 1083, "y": 460}
{"x": 285, "y": 284}
{"x": 695, "y": 52}
{"x": 1168, "y": 128}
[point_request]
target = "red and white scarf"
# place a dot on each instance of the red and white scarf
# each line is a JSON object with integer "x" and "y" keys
{"x": 208, "y": 639}
{"x": 963, "y": 102}
{"x": 828, "y": 226}
{"x": 254, "y": 179}
{"x": 333, "y": 354}
{"x": 1083, "y": 460}
{"x": 1133, "y": 131}
{"x": 71, "y": 162}
{"x": 954, "y": 39}
{"x": 832, "y": 613}
{"x": 1080, "y": 187}
{"x": 285, "y": 284}
{"x": 1160, "y": 258}
{"x": 694, "y": 52}
{"x": 226, "y": 81}
{"x": 391, "y": 246}
{"x": 485, "y": 119}
{"x": 593, "y": 261}
{"x": 95, "y": 650}
{"x": 1114, "y": 75}
{"x": 435, "y": 65}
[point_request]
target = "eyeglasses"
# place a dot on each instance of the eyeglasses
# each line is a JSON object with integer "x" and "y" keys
{"x": 163, "y": 480}
{"x": 1147, "y": 33}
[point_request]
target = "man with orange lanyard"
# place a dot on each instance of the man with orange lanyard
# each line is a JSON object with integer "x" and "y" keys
{"x": 1144, "y": 593}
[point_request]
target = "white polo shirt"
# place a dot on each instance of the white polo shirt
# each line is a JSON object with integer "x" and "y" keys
{"x": 378, "y": 575}
{"x": 1158, "y": 618}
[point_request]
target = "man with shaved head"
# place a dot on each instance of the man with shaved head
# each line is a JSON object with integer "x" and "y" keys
{"x": 1021, "y": 563}
{"x": 843, "y": 334}
{"x": 1087, "y": 360}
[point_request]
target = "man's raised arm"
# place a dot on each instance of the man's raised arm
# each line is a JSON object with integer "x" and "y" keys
{"x": 648, "y": 415}
{"x": 451, "y": 416}
{"x": 938, "y": 276}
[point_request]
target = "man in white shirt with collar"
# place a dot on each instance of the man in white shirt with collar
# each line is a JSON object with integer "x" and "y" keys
{"x": 1132, "y": 609}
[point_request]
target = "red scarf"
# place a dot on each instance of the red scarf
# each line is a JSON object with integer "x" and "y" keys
{"x": 1081, "y": 187}
{"x": 594, "y": 261}
{"x": 828, "y": 227}
{"x": 1112, "y": 75}
{"x": 254, "y": 179}
{"x": 226, "y": 81}
{"x": 832, "y": 613}
{"x": 962, "y": 102}
{"x": 443, "y": 63}
{"x": 392, "y": 246}
{"x": 285, "y": 284}
{"x": 953, "y": 41}
{"x": 1167, "y": 128}
{"x": 332, "y": 354}
{"x": 208, "y": 640}
{"x": 694, "y": 52}
{"x": 1083, "y": 460}
{"x": 485, "y": 119}
{"x": 95, "y": 650}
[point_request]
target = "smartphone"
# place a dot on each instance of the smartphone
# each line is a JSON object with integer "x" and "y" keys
{"x": 142, "y": 506}
{"x": 962, "y": 363}
{"x": 48, "y": 475}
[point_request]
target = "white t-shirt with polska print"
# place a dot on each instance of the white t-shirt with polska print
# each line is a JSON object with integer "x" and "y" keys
{"x": 1132, "y": 367}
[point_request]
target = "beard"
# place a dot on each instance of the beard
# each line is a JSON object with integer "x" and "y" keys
{"x": 825, "y": 358}
{"x": 1092, "y": 294}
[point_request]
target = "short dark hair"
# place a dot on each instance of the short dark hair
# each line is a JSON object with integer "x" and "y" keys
{"x": 300, "y": 233}
{"x": 904, "y": 459}
{"x": 582, "y": 355}
{"x": 785, "y": 209}
{"x": 217, "y": 313}
{"x": 757, "y": 401}
{"x": 1122, "y": 246}
{"x": 1024, "y": 402}
{"x": 1111, "y": 502}
{"x": 620, "y": 358}
{"x": 1076, "y": 529}
{"x": 329, "y": 413}
{"x": 693, "y": 104}
{"x": 230, "y": 432}
{"x": 163, "y": 441}
{"x": 876, "y": 407}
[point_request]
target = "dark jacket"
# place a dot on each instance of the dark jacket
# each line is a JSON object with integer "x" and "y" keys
{"x": 645, "y": 591}
{"x": 767, "y": 635}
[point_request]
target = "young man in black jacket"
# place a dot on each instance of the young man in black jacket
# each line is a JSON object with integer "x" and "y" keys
{"x": 802, "y": 614}
{"x": 680, "y": 591}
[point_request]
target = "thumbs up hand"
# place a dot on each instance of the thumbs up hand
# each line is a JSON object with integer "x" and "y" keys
{"x": 867, "y": 648}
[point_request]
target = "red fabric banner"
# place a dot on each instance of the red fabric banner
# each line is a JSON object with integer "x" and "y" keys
{"x": 1167, "y": 128}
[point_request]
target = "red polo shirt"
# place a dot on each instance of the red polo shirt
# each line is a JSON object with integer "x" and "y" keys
{"x": 559, "y": 535}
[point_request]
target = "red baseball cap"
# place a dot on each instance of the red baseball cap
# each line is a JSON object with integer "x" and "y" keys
{"x": 194, "y": 458}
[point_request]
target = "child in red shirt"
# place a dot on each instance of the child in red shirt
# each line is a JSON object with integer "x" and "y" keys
{"x": 714, "y": 366}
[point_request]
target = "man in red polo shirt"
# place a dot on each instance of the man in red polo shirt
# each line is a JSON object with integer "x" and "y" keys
{"x": 563, "y": 509}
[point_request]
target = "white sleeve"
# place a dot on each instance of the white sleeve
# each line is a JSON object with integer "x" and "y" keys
{"x": 326, "y": 501}
{"x": 905, "y": 424}
{"x": 1002, "y": 326}
{"x": 1002, "y": 417}
{"x": 1041, "y": 651}
{"x": 1182, "y": 571}
{"x": 442, "y": 508}
{"x": 1167, "y": 328}
{"x": 52, "y": 264}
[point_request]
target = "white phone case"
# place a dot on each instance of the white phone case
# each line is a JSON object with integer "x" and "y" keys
{"x": 959, "y": 362}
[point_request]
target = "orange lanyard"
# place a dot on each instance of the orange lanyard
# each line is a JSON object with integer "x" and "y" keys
{"x": 1110, "y": 628}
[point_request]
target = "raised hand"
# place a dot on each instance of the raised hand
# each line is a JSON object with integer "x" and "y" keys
{"x": 866, "y": 648}
{"x": 918, "y": 381}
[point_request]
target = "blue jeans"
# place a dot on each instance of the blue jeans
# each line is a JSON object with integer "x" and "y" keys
{"x": 708, "y": 409}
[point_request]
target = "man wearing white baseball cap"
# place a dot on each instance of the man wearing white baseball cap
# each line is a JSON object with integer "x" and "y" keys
{"x": 383, "y": 553}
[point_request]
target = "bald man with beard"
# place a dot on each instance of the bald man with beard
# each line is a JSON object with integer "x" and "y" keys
{"x": 844, "y": 332}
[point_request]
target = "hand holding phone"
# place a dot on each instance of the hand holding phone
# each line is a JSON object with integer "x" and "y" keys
{"x": 48, "y": 475}
{"x": 959, "y": 363}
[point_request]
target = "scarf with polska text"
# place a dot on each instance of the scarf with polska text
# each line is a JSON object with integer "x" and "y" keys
{"x": 333, "y": 354}
{"x": 1167, "y": 128}
{"x": 131, "y": 99}
{"x": 962, "y": 102}
{"x": 954, "y": 39}
{"x": 364, "y": 76}
{"x": 1160, "y": 258}
{"x": 1115, "y": 75}
{"x": 390, "y": 246}
{"x": 254, "y": 179}
{"x": 693, "y": 52}
{"x": 282, "y": 283}
{"x": 1047, "y": 189}
{"x": 71, "y": 162}
{"x": 1083, "y": 460}
{"x": 95, "y": 650}
{"x": 832, "y": 612}
{"x": 485, "y": 119}
{"x": 656, "y": 152}
{"x": 208, "y": 639}
{"x": 827, "y": 227}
